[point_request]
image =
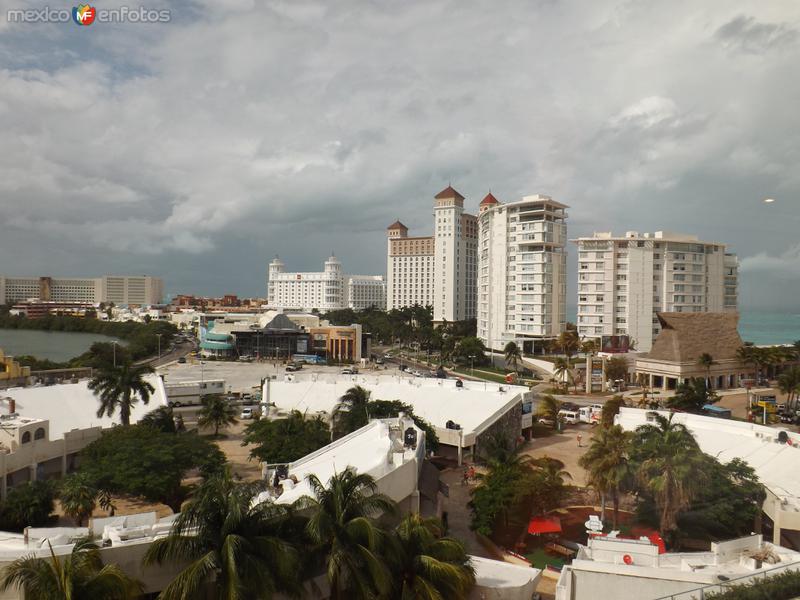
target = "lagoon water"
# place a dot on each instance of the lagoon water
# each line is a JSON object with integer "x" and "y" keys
{"x": 53, "y": 345}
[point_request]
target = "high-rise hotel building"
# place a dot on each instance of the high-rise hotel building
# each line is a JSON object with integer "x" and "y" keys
{"x": 120, "y": 289}
{"x": 522, "y": 271}
{"x": 623, "y": 281}
{"x": 438, "y": 270}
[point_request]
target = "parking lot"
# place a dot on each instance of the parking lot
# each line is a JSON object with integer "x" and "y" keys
{"x": 244, "y": 376}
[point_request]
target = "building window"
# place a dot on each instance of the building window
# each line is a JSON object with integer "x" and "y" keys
{"x": 39, "y": 434}
{"x": 26, "y": 437}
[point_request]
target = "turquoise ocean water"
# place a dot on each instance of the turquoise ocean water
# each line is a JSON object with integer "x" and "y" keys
{"x": 759, "y": 327}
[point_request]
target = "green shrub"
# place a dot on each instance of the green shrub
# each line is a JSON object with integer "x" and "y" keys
{"x": 783, "y": 586}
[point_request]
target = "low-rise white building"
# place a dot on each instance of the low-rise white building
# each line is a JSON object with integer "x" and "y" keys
{"x": 475, "y": 407}
{"x": 44, "y": 428}
{"x": 625, "y": 569}
{"x": 329, "y": 289}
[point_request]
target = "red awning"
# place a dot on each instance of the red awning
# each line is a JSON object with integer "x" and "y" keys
{"x": 540, "y": 525}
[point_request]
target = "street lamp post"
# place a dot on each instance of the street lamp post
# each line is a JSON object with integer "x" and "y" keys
{"x": 158, "y": 335}
{"x": 472, "y": 364}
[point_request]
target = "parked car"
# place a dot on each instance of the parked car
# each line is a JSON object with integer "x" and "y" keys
{"x": 569, "y": 417}
{"x": 247, "y": 413}
{"x": 182, "y": 360}
{"x": 291, "y": 367}
{"x": 349, "y": 371}
{"x": 547, "y": 421}
{"x": 379, "y": 361}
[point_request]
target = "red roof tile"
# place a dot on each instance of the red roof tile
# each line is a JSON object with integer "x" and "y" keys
{"x": 448, "y": 192}
{"x": 397, "y": 225}
{"x": 489, "y": 199}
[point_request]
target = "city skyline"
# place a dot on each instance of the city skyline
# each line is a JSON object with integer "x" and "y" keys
{"x": 309, "y": 132}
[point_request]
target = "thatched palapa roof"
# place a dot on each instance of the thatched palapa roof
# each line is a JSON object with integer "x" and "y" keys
{"x": 685, "y": 336}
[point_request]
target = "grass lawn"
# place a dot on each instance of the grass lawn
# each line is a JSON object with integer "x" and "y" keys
{"x": 485, "y": 373}
{"x": 540, "y": 559}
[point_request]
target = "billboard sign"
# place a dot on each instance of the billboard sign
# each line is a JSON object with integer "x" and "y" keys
{"x": 615, "y": 344}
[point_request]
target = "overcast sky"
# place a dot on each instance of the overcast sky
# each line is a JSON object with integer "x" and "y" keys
{"x": 198, "y": 149}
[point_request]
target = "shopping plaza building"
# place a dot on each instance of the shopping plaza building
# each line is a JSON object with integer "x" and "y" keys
{"x": 329, "y": 289}
{"x": 119, "y": 289}
{"x": 438, "y": 270}
{"x": 623, "y": 281}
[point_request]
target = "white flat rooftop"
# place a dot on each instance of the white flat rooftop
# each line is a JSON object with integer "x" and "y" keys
{"x": 774, "y": 463}
{"x": 475, "y": 406}
{"x": 71, "y": 406}
{"x": 366, "y": 450}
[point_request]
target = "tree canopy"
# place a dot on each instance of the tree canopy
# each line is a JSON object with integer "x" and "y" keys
{"x": 276, "y": 441}
{"x": 143, "y": 461}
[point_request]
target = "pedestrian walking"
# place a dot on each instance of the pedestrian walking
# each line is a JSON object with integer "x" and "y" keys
{"x": 579, "y": 441}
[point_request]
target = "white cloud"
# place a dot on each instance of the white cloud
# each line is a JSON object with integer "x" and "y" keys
{"x": 786, "y": 264}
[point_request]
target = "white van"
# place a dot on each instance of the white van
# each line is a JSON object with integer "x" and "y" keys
{"x": 570, "y": 417}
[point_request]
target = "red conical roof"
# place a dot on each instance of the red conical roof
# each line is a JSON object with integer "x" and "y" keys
{"x": 448, "y": 192}
{"x": 489, "y": 199}
{"x": 397, "y": 225}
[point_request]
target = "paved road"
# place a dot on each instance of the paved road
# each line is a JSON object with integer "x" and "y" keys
{"x": 181, "y": 349}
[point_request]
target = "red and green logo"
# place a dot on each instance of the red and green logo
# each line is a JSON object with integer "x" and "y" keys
{"x": 83, "y": 14}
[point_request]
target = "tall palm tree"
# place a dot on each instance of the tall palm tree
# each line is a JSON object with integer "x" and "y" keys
{"x": 569, "y": 343}
{"x": 79, "y": 576}
{"x": 119, "y": 387}
{"x": 351, "y": 412}
{"x": 747, "y": 356}
{"x": 608, "y": 464}
{"x": 216, "y": 412}
{"x": 513, "y": 356}
{"x": 341, "y": 526}
{"x": 707, "y": 361}
{"x": 562, "y": 371}
{"x": 789, "y": 384}
{"x": 589, "y": 346}
{"x": 235, "y": 549}
{"x": 670, "y": 467}
{"x": 424, "y": 564}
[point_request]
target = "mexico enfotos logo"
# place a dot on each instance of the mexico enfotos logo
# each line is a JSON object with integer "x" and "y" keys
{"x": 85, "y": 15}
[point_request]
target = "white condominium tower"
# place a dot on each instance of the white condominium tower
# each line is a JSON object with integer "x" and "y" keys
{"x": 522, "y": 271}
{"x": 330, "y": 289}
{"x": 438, "y": 270}
{"x": 624, "y": 281}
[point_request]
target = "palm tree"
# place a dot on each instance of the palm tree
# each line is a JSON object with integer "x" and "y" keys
{"x": 670, "y": 467}
{"x": 707, "y": 361}
{"x": 692, "y": 395}
{"x": 79, "y": 576}
{"x": 547, "y": 477}
{"x": 118, "y": 387}
{"x": 747, "y": 355}
{"x": 589, "y": 346}
{"x": 789, "y": 384}
{"x": 569, "y": 342}
{"x": 234, "y": 548}
{"x": 424, "y": 564}
{"x": 351, "y": 412}
{"x": 216, "y": 412}
{"x": 342, "y": 527}
{"x": 513, "y": 356}
{"x": 562, "y": 371}
{"x": 77, "y": 496}
{"x": 610, "y": 410}
{"x": 548, "y": 408}
{"x": 608, "y": 464}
